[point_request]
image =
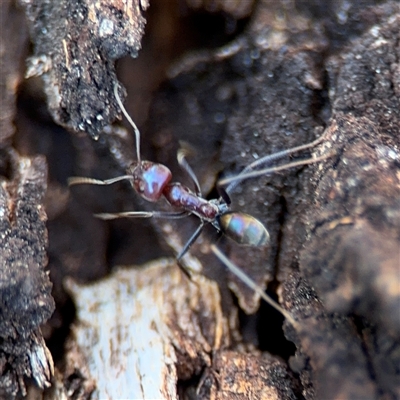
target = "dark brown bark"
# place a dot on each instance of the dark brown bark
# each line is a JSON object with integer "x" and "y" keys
{"x": 295, "y": 71}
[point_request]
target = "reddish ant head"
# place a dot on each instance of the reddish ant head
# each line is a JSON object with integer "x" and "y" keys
{"x": 243, "y": 229}
{"x": 150, "y": 179}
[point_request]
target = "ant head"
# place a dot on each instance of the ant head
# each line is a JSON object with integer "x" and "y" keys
{"x": 243, "y": 229}
{"x": 150, "y": 179}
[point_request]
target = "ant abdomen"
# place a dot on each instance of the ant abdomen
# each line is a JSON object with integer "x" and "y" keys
{"x": 243, "y": 229}
{"x": 150, "y": 179}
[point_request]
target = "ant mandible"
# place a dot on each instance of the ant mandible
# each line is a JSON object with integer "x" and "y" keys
{"x": 153, "y": 180}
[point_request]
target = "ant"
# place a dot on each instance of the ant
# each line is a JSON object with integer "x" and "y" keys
{"x": 153, "y": 181}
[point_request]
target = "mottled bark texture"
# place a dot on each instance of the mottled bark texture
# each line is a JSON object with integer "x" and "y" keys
{"x": 25, "y": 288}
{"x": 75, "y": 45}
{"x": 294, "y": 71}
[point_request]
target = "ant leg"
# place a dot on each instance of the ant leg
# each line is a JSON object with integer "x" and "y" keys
{"x": 192, "y": 239}
{"x": 252, "y": 285}
{"x": 143, "y": 214}
{"x": 188, "y": 169}
{"x": 186, "y": 271}
{"x": 223, "y": 194}
{"x": 234, "y": 180}
{"x": 276, "y": 156}
{"x": 81, "y": 180}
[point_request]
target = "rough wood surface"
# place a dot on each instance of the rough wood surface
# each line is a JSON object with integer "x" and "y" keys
{"x": 288, "y": 73}
{"x": 75, "y": 45}
{"x": 150, "y": 326}
{"x": 25, "y": 287}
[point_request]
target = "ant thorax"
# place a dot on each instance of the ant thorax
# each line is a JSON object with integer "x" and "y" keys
{"x": 150, "y": 179}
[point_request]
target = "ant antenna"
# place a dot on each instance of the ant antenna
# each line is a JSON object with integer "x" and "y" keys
{"x": 253, "y": 174}
{"x": 249, "y": 172}
{"x": 130, "y": 120}
{"x": 252, "y": 285}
